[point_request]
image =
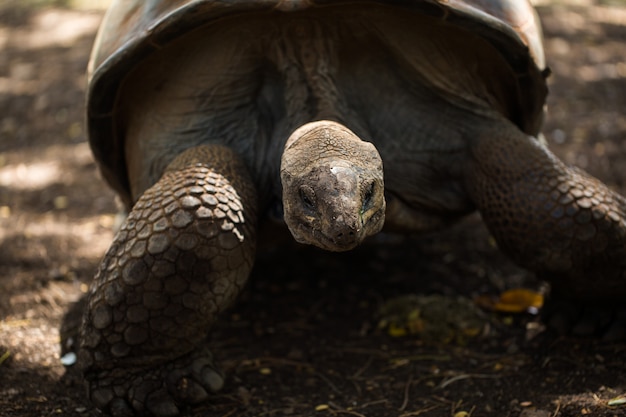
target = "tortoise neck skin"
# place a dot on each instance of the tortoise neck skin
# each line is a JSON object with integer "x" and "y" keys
{"x": 333, "y": 190}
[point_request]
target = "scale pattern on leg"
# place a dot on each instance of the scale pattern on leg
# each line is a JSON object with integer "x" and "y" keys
{"x": 555, "y": 220}
{"x": 181, "y": 257}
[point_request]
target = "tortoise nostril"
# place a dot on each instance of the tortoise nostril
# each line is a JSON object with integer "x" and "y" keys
{"x": 345, "y": 237}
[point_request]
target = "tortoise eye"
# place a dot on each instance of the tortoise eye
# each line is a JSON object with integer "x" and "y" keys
{"x": 307, "y": 196}
{"x": 367, "y": 197}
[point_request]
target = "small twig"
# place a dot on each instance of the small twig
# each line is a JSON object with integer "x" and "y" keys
{"x": 443, "y": 400}
{"x": 420, "y": 412}
{"x": 465, "y": 376}
{"x": 357, "y": 387}
{"x": 471, "y": 411}
{"x": 272, "y": 412}
{"x": 283, "y": 361}
{"x": 407, "y": 388}
{"x": 558, "y": 409}
{"x": 421, "y": 358}
{"x": 362, "y": 369}
{"x": 328, "y": 381}
{"x": 360, "y": 351}
{"x": 230, "y": 413}
{"x": 362, "y": 406}
{"x": 453, "y": 379}
{"x": 352, "y": 413}
{"x": 337, "y": 409}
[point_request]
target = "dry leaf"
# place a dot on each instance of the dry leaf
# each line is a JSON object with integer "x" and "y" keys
{"x": 519, "y": 300}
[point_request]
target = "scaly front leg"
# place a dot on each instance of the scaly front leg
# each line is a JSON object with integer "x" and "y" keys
{"x": 181, "y": 257}
{"x": 557, "y": 221}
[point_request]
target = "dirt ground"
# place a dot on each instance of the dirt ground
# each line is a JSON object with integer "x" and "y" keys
{"x": 304, "y": 340}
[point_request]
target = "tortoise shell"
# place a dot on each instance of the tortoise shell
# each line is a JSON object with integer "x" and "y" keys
{"x": 133, "y": 30}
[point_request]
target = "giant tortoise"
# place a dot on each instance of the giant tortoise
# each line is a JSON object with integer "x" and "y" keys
{"x": 350, "y": 116}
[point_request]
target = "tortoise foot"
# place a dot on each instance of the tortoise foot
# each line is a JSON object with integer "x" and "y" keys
{"x": 582, "y": 319}
{"x": 157, "y": 391}
{"x": 180, "y": 258}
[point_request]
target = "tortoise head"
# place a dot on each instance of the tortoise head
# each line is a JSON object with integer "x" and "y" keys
{"x": 333, "y": 191}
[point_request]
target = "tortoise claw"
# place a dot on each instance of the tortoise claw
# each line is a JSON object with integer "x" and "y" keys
{"x": 159, "y": 391}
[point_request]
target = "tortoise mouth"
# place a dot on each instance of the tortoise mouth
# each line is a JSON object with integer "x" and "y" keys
{"x": 310, "y": 235}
